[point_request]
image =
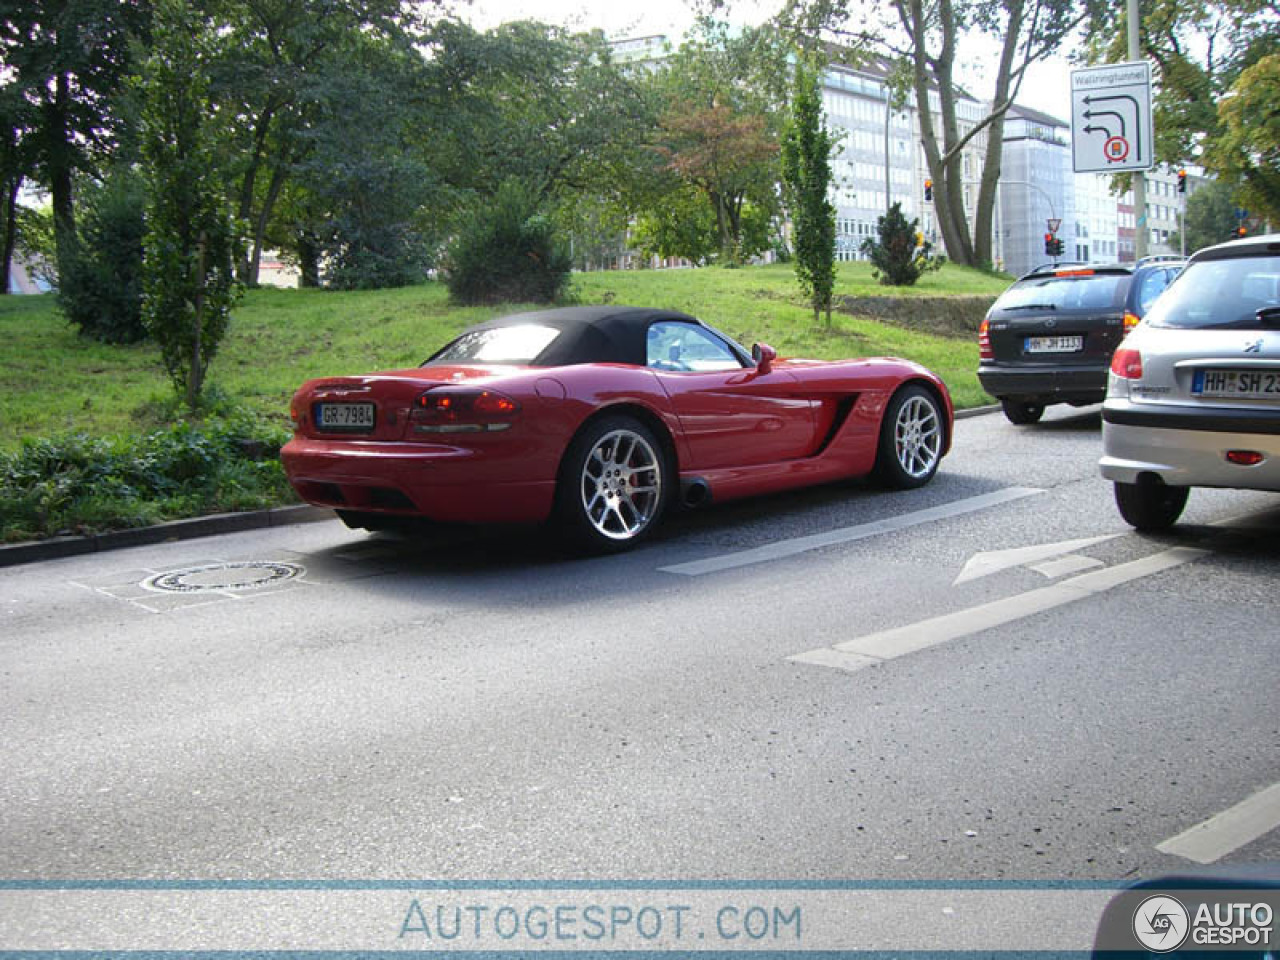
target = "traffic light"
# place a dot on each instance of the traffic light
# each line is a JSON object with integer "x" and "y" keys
{"x": 928, "y": 190}
{"x": 1058, "y": 246}
{"x": 1050, "y": 247}
{"x": 1182, "y": 181}
{"x": 1242, "y": 231}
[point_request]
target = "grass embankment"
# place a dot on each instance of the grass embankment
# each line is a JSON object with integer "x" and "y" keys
{"x": 118, "y": 404}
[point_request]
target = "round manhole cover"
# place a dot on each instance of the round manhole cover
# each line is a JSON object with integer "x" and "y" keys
{"x": 241, "y": 575}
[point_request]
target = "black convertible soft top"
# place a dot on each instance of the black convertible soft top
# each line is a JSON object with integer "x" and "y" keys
{"x": 606, "y": 334}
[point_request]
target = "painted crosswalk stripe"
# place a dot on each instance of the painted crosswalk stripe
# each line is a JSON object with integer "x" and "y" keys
{"x": 789, "y": 548}
{"x": 1230, "y": 830}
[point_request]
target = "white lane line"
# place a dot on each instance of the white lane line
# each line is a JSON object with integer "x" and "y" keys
{"x": 1227, "y": 831}
{"x": 789, "y": 548}
{"x": 1071, "y": 563}
{"x": 890, "y": 644}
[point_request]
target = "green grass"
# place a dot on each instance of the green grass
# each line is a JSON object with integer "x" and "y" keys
{"x": 52, "y": 381}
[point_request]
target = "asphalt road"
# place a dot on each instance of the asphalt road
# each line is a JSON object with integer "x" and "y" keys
{"x": 900, "y": 698}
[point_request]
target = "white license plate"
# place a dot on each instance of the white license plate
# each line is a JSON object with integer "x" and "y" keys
{"x": 1237, "y": 383}
{"x": 1054, "y": 344}
{"x": 344, "y": 416}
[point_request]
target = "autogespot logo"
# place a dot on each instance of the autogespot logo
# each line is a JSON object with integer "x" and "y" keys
{"x": 1161, "y": 924}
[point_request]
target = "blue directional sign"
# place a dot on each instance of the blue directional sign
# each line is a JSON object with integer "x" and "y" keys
{"x": 1111, "y": 129}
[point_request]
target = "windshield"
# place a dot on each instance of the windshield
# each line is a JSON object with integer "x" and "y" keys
{"x": 1080, "y": 292}
{"x": 514, "y": 345}
{"x": 1220, "y": 293}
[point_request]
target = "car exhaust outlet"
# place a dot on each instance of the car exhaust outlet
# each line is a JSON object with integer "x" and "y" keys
{"x": 695, "y": 493}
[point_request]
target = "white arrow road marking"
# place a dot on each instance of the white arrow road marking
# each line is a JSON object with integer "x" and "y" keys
{"x": 1227, "y": 831}
{"x": 985, "y": 564}
{"x": 789, "y": 548}
{"x": 889, "y": 644}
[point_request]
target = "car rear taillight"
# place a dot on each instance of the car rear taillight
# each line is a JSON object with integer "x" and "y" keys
{"x": 984, "y": 342}
{"x": 1131, "y": 320}
{"x": 454, "y": 410}
{"x": 1127, "y": 364}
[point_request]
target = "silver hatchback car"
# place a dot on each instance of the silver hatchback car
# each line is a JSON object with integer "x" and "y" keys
{"x": 1193, "y": 397}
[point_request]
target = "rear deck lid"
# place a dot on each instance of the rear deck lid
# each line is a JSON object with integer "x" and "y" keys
{"x": 1072, "y": 316}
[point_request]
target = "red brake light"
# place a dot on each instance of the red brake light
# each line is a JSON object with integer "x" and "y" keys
{"x": 1127, "y": 364}
{"x": 984, "y": 342}
{"x": 1073, "y": 273}
{"x": 454, "y": 410}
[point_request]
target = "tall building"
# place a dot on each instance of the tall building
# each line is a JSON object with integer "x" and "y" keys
{"x": 1037, "y": 191}
{"x": 873, "y": 138}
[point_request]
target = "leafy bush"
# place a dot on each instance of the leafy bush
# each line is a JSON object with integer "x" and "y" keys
{"x": 901, "y": 255}
{"x": 100, "y": 277}
{"x": 507, "y": 251}
{"x": 81, "y": 484}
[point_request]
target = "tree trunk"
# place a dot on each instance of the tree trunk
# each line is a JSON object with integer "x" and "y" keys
{"x": 195, "y": 378}
{"x": 1006, "y": 90}
{"x": 58, "y": 153}
{"x": 10, "y": 229}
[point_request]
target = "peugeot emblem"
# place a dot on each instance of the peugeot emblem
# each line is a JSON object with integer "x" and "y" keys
{"x": 1051, "y": 323}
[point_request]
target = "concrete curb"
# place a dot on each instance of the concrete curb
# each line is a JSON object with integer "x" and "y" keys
{"x": 56, "y": 547}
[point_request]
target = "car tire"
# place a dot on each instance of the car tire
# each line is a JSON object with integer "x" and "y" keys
{"x": 615, "y": 481}
{"x": 912, "y": 436}
{"x": 1150, "y": 506}
{"x": 1021, "y": 412}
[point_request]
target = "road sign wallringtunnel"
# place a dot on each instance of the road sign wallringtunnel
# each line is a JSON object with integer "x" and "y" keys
{"x": 1111, "y": 129}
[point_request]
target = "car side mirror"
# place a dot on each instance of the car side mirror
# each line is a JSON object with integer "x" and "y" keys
{"x": 763, "y": 355}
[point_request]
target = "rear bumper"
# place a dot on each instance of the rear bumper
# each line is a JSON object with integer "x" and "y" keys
{"x": 449, "y": 484}
{"x": 1137, "y": 442}
{"x": 1044, "y": 384}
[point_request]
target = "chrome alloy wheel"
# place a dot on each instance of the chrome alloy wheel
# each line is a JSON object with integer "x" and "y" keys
{"x": 621, "y": 485}
{"x": 917, "y": 436}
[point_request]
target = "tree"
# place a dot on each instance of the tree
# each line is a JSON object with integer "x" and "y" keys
{"x": 806, "y": 173}
{"x": 900, "y": 255}
{"x": 1216, "y": 64}
{"x": 67, "y": 61}
{"x": 1028, "y": 30}
{"x": 275, "y": 60}
{"x": 189, "y": 280}
{"x": 1247, "y": 150}
{"x": 1210, "y": 217}
{"x": 362, "y": 181}
{"x": 722, "y": 96}
{"x": 729, "y": 157}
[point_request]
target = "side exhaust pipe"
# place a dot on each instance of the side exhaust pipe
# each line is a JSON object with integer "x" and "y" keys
{"x": 694, "y": 493}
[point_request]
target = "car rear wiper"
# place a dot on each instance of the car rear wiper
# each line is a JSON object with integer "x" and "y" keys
{"x": 1034, "y": 306}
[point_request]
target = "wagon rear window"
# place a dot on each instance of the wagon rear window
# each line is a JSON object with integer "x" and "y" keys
{"x": 517, "y": 345}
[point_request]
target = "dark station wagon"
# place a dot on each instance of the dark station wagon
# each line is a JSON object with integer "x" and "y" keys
{"x": 1050, "y": 336}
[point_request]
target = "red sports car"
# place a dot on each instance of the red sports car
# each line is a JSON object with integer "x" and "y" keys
{"x": 600, "y": 418}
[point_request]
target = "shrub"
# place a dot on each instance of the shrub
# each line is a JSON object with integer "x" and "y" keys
{"x": 81, "y": 484}
{"x": 100, "y": 277}
{"x": 507, "y": 252}
{"x": 901, "y": 255}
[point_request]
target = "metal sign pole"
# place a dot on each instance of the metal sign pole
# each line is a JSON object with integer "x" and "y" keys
{"x": 1140, "y": 231}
